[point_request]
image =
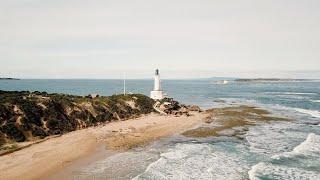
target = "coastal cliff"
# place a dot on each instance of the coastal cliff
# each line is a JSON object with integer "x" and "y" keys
{"x": 26, "y": 116}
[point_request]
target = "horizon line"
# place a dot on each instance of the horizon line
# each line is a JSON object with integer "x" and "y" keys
{"x": 15, "y": 78}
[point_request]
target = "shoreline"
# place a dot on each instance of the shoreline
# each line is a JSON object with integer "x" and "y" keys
{"x": 229, "y": 121}
{"x": 56, "y": 154}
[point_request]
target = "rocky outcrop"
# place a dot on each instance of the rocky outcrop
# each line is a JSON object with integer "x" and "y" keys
{"x": 170, "y": 106}
{"x": 34, "y": 115}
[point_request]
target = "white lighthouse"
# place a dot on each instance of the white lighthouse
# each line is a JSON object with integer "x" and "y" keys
{"x": 157, "y": 93}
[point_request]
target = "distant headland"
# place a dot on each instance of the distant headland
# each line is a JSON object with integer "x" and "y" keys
{"x": 9, "y": 79}
{"x": 271, "y": 80}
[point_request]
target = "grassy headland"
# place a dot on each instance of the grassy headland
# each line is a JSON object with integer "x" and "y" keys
{"x": 37, "y": 123}
{"x": 26, "y": 116}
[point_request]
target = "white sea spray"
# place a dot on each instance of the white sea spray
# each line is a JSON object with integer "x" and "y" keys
{"x": 194, "y": 161}
{"x": 307, "y": 152}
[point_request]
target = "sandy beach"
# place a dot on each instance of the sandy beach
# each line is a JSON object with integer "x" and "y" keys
{"x": 46, "y": 158}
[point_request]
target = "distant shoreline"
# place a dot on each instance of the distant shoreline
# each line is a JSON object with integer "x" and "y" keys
{"x": 271, "y": 80}
{"x": 9, "y": 79}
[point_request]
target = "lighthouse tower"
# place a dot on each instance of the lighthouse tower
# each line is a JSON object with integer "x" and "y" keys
{"x": 157, "y": 93}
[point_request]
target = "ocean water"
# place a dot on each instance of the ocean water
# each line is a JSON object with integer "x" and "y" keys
{"x": 276, "y": 150}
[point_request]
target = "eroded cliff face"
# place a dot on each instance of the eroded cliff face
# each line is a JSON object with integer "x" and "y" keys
{"x": 27, "y": 116}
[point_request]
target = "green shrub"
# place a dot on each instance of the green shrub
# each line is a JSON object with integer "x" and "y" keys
{"x": 144, "y": 103}
{"x": 5, "y": 113}
{"x": 37, "y": 131}
{"x": 32, "y": 111}
{"x": 104, "y": 116}
{"x": 2, "y": 139}
{"x": 56, "y": 117}
{"x": 25, "y": 126}
{"x": 13, "y": 132}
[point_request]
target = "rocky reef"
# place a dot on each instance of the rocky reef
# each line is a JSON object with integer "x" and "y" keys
{"x": 26, "y": 116}
{"x": 232, "y": 121}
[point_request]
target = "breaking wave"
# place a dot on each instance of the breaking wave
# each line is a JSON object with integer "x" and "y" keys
{"x": 194, "y": 161}
{"x": 278, "y": 107}
{"x": 313, "y": 113}
{"x": 300, "y": 163}
{"x": 271, "y": 171}
{"x": 271, "y": 139}
{"x": 315, "y": 101}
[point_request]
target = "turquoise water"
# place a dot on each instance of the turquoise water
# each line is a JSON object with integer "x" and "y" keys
{"x": 277, "y": 150}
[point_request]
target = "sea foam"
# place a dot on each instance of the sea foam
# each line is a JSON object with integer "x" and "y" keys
{"x": 313, "y": 113}
{"x": 303, "y": 156}
{"x": 272, "y": 138}
{"x": 309, "y": 112}
{"x": 194, "y": 161}
{"x": 311, "y": 146}
{"x": 272, "y": 171}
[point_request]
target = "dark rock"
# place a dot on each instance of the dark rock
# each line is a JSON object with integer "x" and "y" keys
{"x": 194, "y": 108}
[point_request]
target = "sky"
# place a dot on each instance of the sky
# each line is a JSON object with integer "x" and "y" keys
{"x": 183, "y": 38}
